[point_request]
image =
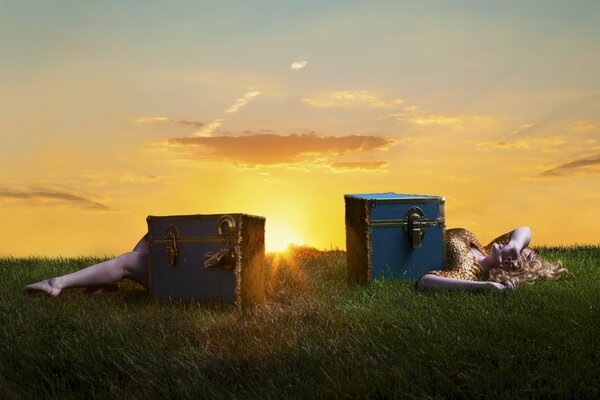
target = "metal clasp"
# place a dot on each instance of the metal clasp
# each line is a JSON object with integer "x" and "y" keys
{"x": 226, "y": 228}
{"x": 224, "y": 258}
{"x": 414, "y": 226}
{"x": 172, "y": 251}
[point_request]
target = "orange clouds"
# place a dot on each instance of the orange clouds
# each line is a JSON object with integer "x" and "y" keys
{"x": 187, "y": 122}
{"x": 366, "y": 165}
{"x": 273, "y": 149}
{"x": 54, "y": 196}
{"x": 581, "y": 165}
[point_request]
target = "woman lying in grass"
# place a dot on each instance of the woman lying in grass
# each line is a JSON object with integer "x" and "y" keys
{"x": 101, "y": 277}
{"x": 505, "y": 263}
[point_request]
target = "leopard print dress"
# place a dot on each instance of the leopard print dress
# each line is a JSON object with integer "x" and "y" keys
{"x": 460, "y": 260}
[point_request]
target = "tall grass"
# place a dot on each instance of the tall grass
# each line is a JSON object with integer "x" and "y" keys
{"x": 316, "y": 337}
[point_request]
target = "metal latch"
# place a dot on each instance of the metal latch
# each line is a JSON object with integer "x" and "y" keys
{"x": 224, "y": 258}
{"x": 172, "y": 235}
{"x": 414, "y": 226}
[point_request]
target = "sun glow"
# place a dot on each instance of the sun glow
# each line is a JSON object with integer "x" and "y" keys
{"x": 279, "y": 238}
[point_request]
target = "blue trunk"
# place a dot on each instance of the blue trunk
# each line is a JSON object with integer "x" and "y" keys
{"x": 207, "y": 257}
{"x": 394, "y": 235}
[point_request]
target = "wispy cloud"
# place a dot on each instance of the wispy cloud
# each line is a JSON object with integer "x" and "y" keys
{"x": 359, "y": 165}
{"x": 502, "y": 145}
{"x": 570, "y": 167}
{"x": 415, "y": 117}
{"x": 205, "y": 129}
{"x": 132, "y": 178}
{"x": 210, "y": 128}
{"x": 443, "y": 119}
{"x": 51, "y": 195}
{"x": 151, "y": 120}
{"x": 351, "y": 99}
{"x": 525, "y": 128}
{"x": 584, "y": 126}
{"x": 298, "y": 65}
{"x": 272, "y": 149}
{"x": 106, "y": 178}
{"x": 242, "y": 101}
{"x": 553, "y": 144}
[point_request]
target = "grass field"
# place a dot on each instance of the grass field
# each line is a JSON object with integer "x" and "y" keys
{"x": 315, "y": 338}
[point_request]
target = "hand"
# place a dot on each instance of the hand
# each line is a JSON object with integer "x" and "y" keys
{"x": 495, "y": 286}
{"x": 501, "y": 287}
{"x": 509, "y": 256}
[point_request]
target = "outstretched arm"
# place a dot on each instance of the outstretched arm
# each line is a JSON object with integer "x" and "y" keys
{"x": 432, "y": 282}
{"x": 520, "y": 237}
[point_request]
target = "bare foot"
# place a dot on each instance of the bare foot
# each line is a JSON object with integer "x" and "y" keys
{"x": 47, "y": 286}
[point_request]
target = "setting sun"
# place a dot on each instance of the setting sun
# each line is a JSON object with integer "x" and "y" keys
{"x": 279, "y": 238}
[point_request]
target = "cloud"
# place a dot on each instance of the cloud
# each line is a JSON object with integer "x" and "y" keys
{"x": 151, "y": 120}
{"x": 553, "y": 144}
{"x": 526, "y": 128}
{"x": 411, "y": 114}
{"x": 571, "y": 167}
{"x": 360, "y": 165}
{"x": 298, "y": 65}
{"x": 350, "y": 99}
{"x": 584, "y": 126}
{"x": 272, "y": 149}
{"x": 502, "y": 145}
{"x": 208, "y": 129}
{"x": 211, "y": 127}
{"x": 443, "y": 119}
{"x": 132, "y": 178}
{"x": 45, "y": 195}
{"x": 242, "y": 101}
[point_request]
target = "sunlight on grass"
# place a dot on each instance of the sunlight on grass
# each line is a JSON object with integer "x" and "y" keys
{"x": 315, "y": 337}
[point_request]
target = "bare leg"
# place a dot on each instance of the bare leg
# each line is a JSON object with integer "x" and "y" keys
{"x": 132, "y": 265}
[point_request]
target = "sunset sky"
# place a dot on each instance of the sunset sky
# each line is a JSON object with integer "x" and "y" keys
{"x": 115, "y": 110}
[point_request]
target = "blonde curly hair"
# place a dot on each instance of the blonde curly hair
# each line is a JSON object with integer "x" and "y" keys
{"x": 530, "y": 268}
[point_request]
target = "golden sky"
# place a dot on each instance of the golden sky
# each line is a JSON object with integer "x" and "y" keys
{"x": 113, "y": 111}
